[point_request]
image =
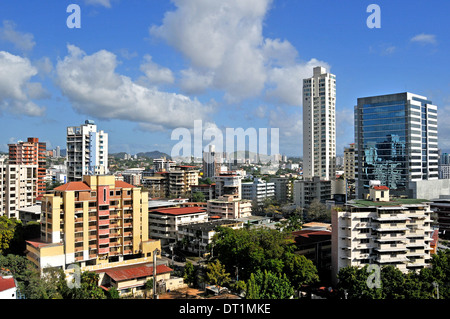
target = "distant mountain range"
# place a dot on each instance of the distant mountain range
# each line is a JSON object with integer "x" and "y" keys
{"x": 153, "y": 154}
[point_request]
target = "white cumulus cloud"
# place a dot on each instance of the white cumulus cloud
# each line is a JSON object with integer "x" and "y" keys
{"x": 224, "y": 43}
{"x": 16, "y": 90}
{"x": 95, "y": 88}
{"x": 22, "y": 41}
{"x": 424, "y": 38}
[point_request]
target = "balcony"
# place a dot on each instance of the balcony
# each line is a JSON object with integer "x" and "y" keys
{"x": 103, "y": 241}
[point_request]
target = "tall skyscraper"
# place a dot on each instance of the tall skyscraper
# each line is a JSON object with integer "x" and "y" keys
{"x": 319, "y": 125}
{"x": 396, "y": 141}
{"x": 210, "y": 163}
{"x": 31, "y": 152}
{"x": 87, "y": 151}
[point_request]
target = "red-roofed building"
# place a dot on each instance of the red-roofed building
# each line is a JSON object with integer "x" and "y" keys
{"x": 316, "y": 246}
{"x": 8, "y": 287}
{"x": 379, "y": 193}
{"x": 132, "y": 279}
{"x": 96, "y": 221}
{"x": 31, "y": 152}
{"x": 164, "y": 222}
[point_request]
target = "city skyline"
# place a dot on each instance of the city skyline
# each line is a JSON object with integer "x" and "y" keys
{"x": 139, "y": 75}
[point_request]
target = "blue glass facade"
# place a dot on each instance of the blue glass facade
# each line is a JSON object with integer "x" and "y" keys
{"x": 393, "y": 135}
{"x": 383, "y": 135}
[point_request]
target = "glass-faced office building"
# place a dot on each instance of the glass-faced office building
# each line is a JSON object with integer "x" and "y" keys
{"x": 396, "y": 142}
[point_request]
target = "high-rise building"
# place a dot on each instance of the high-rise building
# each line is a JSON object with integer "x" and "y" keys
{"x": 258, "y": 190}
{"x": 349, "y": 162}
{"x": 306, "y": 191}
{"x": 87, "y": 151}
{"x": 18, "y": 187}
{"x": 31, "y": 152}
{"x": 396, "y": 142}
{"x": 96, "y": 221}
{"x": 319, "y": 125}
{"x": 210, "y": 163}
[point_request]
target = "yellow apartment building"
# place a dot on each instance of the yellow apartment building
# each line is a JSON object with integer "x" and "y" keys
{"x": 95, "y": 223}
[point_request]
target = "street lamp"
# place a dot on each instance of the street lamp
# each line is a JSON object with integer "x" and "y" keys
{"x": 155, "y": 252}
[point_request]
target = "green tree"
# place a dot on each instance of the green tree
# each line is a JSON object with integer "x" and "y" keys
{"x": 216, "y": 274}
{"x": 189, "y": 273}
{"x": 89, "y": 288}
{"x": 148, "y": 286}
{"x": 113, "y": 293}
{"x": 198, "y": 197}
{"x": 8, "y": 233}
{"x": 317, "y": 211}
{"x": 268, "y": 285}
{"x": 392, "y": 282}
{"x": 352, "y": 282}
{"x": 300, "y": 270}
{"x": 251, "y": 249}
{"x": 51, "y": 285}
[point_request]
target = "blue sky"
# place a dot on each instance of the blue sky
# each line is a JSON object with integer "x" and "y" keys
{"x": 142, "y": 69}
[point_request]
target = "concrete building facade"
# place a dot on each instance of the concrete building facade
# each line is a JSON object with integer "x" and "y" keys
{"x": 18, "y": 187}
{"x": 396, "y": 141}
{"x": 87, "y": 151}
{"x": 382, "y": 233}
{"x": 91, "y": 224}
{"x": 319, "y": 125}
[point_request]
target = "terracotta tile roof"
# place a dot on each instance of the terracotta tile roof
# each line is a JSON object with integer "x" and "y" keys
{"x": 6, "y": 283}
{"x": 121, "y": 184}
{"x": 310, "y": 236}
{"x": 38, "y": 243}
{"x": 73, "y": 186}
{"x": 179, "y": 210}
{"x": 134, "y": 271}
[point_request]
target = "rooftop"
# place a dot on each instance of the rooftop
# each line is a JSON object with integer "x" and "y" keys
{"x": 179, "y": 210}
{"x": 83, "y": 186}
{"x": 73, "y": 186}
{"x": 397, "y": 202}
{"x": 134, "y": 271}
{"x": 211, "y": 225}
{"x": 7, "y": 282}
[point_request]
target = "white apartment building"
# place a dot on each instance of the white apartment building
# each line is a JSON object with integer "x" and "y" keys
{"x": 163, "y": 165}
{"x": 319, "y": 125}
{"x": 87, "y": 151}
{"x": 229, "y": 207}
{"x": 228, "y": 184}
{"x": 258, "y": 190}
{"x": 18, "y": 185}
{"x": 382, "y": 233}
{"x": 164, "y": 222}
